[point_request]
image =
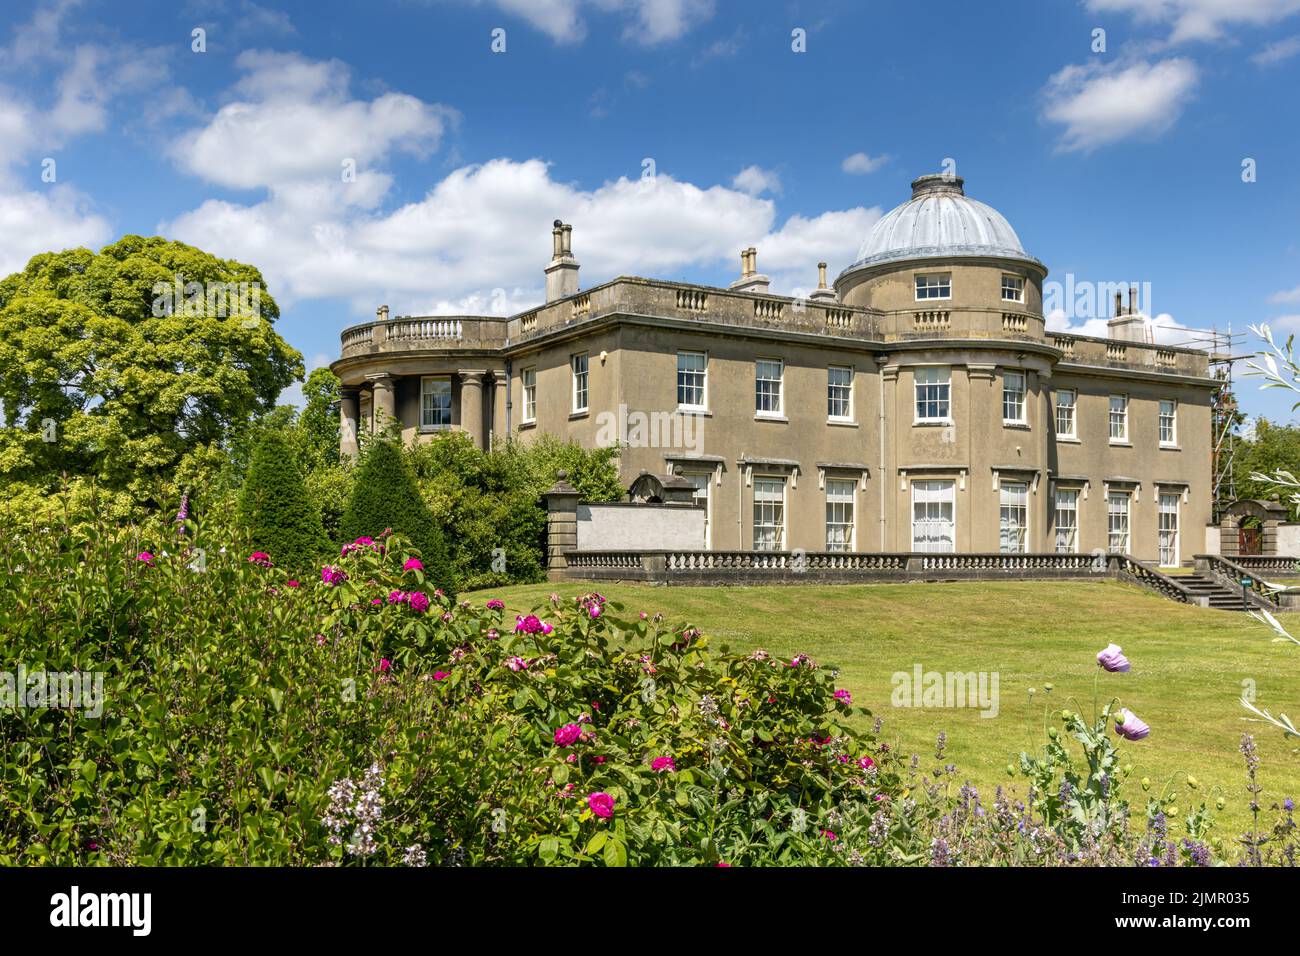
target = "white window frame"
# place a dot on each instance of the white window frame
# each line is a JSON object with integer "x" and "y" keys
{"x": 832, "y": 387}
{"x": 702, "y": 385}
{"x": 1073, "y": 407}
{"x": 941, "y": 398}
{"x": 1119, "y": 521}
{"x": 580, "y": 373}
{"x": 703, "y": 482}
{"x": 1016, "y": 286}
{"x": 769, "y": 507}
{"x": 528, "y": 385}
{"x": 934, "y": 285}
{"x": 841, "y": 514}
{"x": 779, "y": 411}
{"x": 935, "y": 485}
{"x": 1172, "y": 418}
{"x": 1168, "y": 549}
{"x": 425, "y": 381}
{"x": 1122, "y": 420}
{"x": 1018, "y": 407}
{"x": 1071, "y": 497}
{"x": 1007, "y": 505}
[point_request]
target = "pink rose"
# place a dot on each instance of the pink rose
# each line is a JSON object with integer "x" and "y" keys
{"x": 663, "y": 765}
{"x": 413, "y": 564}
{"x": 602, "y": 804}
{"x": 567, "y": 735}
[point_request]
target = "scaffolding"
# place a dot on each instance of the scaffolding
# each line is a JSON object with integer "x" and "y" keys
{"x": 1225, "y": 415}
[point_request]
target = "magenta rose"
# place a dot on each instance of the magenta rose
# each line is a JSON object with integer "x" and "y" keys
{"x": 602, "y": 804}
{"x": 663, "y": 765}
{"x": 567, "y": 735}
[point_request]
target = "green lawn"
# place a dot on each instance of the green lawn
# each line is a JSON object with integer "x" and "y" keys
{"x": 1189, "y": 665}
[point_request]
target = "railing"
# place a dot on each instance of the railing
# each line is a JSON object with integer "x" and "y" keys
{"x": 420, "y": 330}
{"x": 1123, "y": 565}
{"x": 1065, "y": 344}
{"x": 692, "y": 300}
{"x": 1232, "y": 573}
{"x": 360, "y": 336}
{"x": 787, "y": 567}
{"x": 1275, "y": 563}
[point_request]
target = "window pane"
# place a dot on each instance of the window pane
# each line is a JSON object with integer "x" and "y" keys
{"x": 1013, "y": 525}
{"x": 839, "y": 392}
{"x": 933, "y": 390}
{"x": 932, "y": 516}
{"x": 1013, "y": 396}
{"x": 691, "y": 372}
{"x": 1067, "y": 521}
{"x": 767, "y": 386}
{"x": 839, "y": 514}
{"x": 435, "y": 403}
{"x": 769, "y": 514}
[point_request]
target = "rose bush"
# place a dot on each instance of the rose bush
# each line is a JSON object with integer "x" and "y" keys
{"x": 360, "y": 716}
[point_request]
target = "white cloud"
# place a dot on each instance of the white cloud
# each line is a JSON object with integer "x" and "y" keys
{"x": 67, "y": 90}
{"x": 1286, "y": 295}
{"x": 1161, "y": 330}
{"x": 650, "y": 21}
{"x": 478, "y": 240}
{"x": 1277, "y": 52}
{"x": 755, "y": 181}
{"x": 294, "y": 123}
{"x": 1100, "y": 104}
{"x": 1200, "y": 19}
{"x": 32, "y": 222}
{"x": 861, "y": 163}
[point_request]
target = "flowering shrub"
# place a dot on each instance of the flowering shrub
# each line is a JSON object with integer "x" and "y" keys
{"x": 361, "y": 716}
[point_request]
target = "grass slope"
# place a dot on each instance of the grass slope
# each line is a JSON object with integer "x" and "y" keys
{"x": 1189, "y": 666}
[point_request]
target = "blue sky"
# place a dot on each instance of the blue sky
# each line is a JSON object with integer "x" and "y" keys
{"x": 1122, "y": 165}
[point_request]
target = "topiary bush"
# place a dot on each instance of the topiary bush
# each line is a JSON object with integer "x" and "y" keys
{"x": 274, "y": 507}
{"x": 385, "y": 498}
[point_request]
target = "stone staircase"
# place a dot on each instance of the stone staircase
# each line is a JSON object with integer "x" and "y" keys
{"x": 1220, "y": 595}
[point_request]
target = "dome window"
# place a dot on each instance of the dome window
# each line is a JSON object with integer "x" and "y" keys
{"x": 934, "y": 286}
{"x": 1013, "y": 289}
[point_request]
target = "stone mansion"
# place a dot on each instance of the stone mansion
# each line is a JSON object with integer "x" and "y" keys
{"x": 917, "y": 404}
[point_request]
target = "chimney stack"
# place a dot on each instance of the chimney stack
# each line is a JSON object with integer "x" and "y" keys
{"x": 381, "y": 313}
{"x": 1127, "y": 324}
{"x": 823, "y": 292}
{"x": 562, "y": 273}
{"x": 750, "y": 280}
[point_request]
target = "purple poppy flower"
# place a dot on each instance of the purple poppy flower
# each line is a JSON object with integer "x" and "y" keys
{"x": 1112, "y": 659}
{"x": 1130, "y": 726}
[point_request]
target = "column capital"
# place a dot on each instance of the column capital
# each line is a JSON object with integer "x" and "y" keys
{"x": 471, "y": 376}
{"x": 382, "y": 379}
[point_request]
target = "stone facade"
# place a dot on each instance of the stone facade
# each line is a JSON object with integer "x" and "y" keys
{"x": 947, "y": 392}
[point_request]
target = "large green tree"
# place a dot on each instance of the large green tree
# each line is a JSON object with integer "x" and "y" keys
{"x": 115, "y": 365}
{"x": 1270, "y": 449}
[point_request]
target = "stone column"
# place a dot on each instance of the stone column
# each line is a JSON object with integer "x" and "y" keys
{"x": 471, "y": 405}
{"x": 385, "y": 398}
{"x": 1268, "y": 537}
{"x": 1229, "y": 537}
{"x": 498, "y": 407}
{"x": 561, "y": 526}
{"x": 349, "y": 412}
